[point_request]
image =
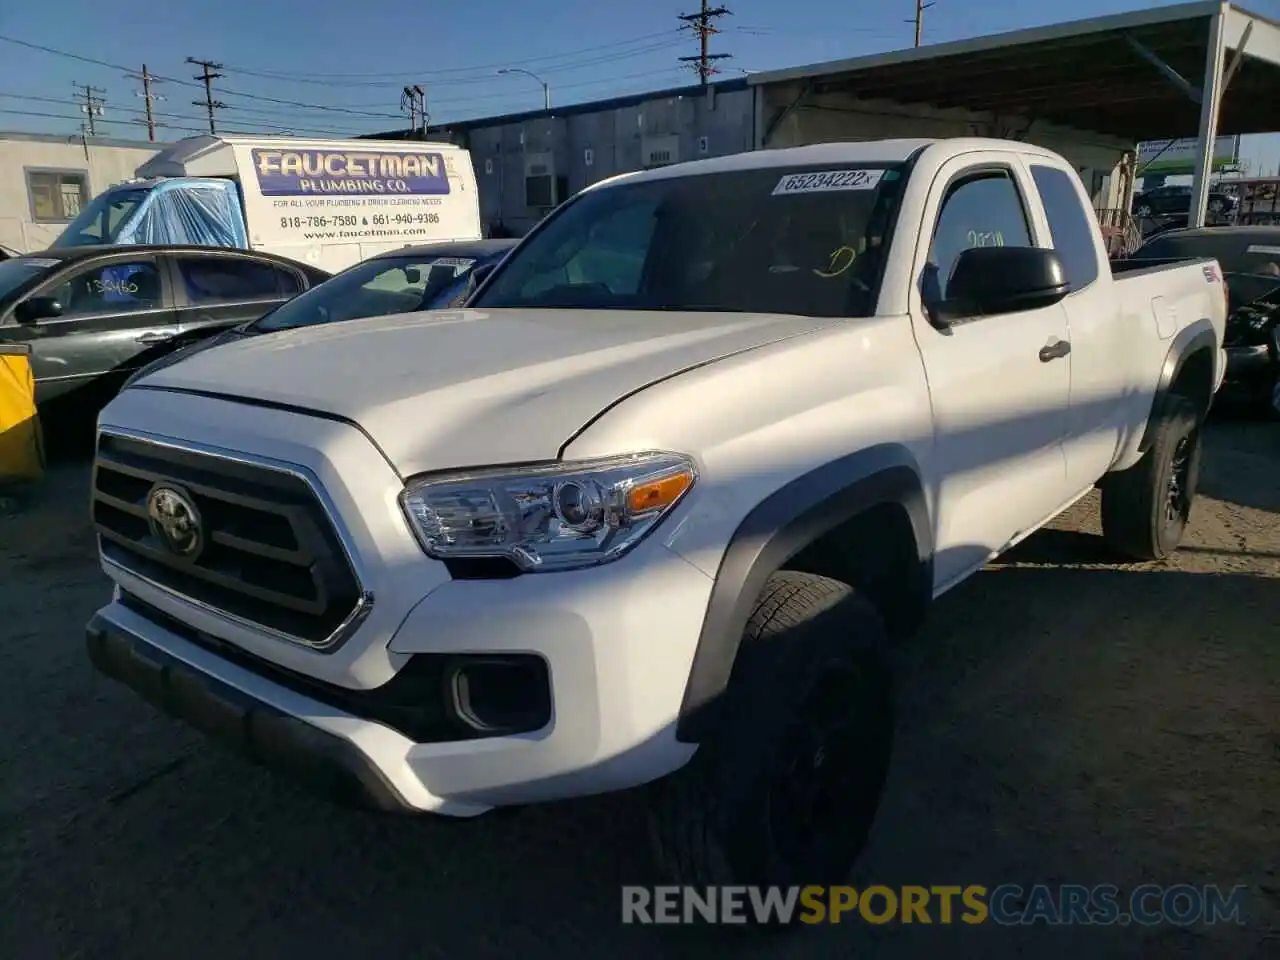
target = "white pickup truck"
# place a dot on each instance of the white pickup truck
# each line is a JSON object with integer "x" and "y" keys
{"x": 649, "y": 510}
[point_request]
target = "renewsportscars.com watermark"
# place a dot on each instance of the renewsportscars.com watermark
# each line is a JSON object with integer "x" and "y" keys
{"x": 973, "y": 905}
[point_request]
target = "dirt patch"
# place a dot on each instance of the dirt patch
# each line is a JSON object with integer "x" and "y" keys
{"x": 1066, "y": 719}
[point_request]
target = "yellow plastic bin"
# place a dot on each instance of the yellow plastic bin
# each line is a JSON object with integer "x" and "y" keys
{"x": 21, "y": 446}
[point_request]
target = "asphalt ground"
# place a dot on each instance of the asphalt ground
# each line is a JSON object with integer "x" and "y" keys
{"x": 1065, "y": 719}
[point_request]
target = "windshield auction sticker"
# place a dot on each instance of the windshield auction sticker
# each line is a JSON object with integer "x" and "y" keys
{"x": 342, "y": 195}
{"x": 825, "y": 181}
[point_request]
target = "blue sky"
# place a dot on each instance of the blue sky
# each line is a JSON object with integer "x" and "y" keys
{"x": 347, "y": 61}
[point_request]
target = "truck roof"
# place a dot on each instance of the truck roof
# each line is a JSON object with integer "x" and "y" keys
{"x": 840, "y": 153}
{"x": 212, "y": 156}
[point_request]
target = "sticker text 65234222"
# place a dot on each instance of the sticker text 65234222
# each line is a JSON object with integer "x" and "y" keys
{"x": 823, "y": 181}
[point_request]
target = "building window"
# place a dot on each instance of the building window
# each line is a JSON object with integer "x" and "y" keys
{"x": 57, "y": 195}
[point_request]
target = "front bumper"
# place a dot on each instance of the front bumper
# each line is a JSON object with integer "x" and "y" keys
{"x": 261, "y": 730}
{"x": 616, "y": 641}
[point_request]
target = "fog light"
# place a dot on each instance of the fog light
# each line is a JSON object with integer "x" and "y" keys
{"x": 502, "y": 695}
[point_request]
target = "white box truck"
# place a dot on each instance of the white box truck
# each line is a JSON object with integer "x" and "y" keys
{"x": 329, "y": 203}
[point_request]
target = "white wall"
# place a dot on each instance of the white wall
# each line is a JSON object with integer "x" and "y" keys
{"x": 108, "y": 162}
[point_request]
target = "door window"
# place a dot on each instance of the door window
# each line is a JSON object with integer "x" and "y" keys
{"x": 210, "y": 280}
{"x": 111, "y": 288}
{"x": 1071, "y": 229}
{"x": 984, "y": 210}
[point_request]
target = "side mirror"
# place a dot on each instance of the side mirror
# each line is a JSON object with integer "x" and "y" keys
{"x": 992, "y": 280}
{"x": 38, "y": 308}
{"x": 412, "y": 275}
{"x": 480, "y": 274}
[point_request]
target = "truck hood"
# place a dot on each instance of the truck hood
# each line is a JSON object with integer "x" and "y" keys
{"x": 467, "y": 388}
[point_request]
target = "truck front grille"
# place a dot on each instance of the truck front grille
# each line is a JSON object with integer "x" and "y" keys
{"x": 262, "y": 548}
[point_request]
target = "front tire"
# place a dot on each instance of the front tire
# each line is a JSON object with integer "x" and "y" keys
{"x": 1145, "y": 509}
{"x": 785, "y": 789}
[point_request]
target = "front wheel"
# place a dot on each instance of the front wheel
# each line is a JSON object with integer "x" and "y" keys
{"x": 785, "y": 789}
{"x": 1145, "y": 509}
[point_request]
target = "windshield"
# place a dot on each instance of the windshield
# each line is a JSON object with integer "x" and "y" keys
{"x": 799, "y": 241}
{"x": 101, "y": 220}
{"x": 15, "y": 273}
{"x": 373, "y": 288}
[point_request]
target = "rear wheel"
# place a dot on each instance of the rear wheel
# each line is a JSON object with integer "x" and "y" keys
{"x": 1145, "y": 509}
{"x": 785, "y": 789}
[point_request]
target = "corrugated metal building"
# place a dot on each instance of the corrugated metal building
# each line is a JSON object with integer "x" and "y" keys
{"x": 1090, "y": 89}
{"x": 526, "y": 163}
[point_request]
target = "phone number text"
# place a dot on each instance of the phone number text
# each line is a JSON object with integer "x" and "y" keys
{"x": 376, "y": 220}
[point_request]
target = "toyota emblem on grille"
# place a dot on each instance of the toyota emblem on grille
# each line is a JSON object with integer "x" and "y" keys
{"x": 175, "y": 521}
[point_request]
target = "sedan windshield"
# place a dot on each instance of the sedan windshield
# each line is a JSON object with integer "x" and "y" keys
{"x": 799, "y": 241}
{"x": 101, "y": 220}
{"x": 373, "y": 288}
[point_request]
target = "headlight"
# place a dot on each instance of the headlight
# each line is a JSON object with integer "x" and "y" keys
{"x": 558, "y": 516}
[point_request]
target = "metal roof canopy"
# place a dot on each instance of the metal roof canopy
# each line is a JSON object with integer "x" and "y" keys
{"x": 1136, "y": 75}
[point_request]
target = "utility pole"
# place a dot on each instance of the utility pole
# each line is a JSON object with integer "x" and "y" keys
{"x": 208, "y": 76}
{"x": 92, "y": 105}
{"x": 702, "y": 25}
{"x": 414, "y": 99}
{"x": 149, "y": 97}
{"x": 918, "y": 20}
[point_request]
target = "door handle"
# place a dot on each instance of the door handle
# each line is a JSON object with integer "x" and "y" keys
{"x": 1055, "y": 350}
{"x": 155, "y": 337}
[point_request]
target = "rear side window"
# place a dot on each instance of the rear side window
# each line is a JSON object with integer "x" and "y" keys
{"x": 215, "y": 280}
{"x": 1071, "y": 228}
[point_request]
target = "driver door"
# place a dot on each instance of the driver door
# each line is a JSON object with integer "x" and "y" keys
{"x": 1000, "y": 408}
{"x": 117, "y": 314}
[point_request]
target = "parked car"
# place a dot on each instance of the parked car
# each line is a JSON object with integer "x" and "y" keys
{"x": 430, "y": 277}
{"x": 93, "y": 315}
{"x": 653, "y": 509}
{"x": 1175, "y": 201}
{"x": 1250, "y": 259}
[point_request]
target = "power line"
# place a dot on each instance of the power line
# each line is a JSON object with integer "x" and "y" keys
{"x": 702, "y": 24}
{"x": 344, "y": 79}
{"x": 207, "y": 75}
{"x": 69, "y": 116}
{"x": 186, "y": 83}
{"x": 158, "y": 117}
